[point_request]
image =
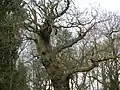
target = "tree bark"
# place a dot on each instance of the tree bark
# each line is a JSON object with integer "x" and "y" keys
{"x": 60, "y": 80}
{"x": 60, "y": 84}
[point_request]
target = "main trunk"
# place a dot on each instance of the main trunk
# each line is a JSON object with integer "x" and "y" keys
{"x": 59, "y": 79}
{"x": 60, "y": 84}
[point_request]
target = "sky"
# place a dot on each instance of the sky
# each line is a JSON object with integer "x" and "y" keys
{"x": 110, "y": 5}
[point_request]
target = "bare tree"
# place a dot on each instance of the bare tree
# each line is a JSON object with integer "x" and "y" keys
{"x": 48, "y": 17}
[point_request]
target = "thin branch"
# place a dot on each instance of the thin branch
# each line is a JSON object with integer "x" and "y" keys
{"x": 99, "y": 80}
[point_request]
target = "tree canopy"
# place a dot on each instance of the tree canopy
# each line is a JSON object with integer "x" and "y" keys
{"x": 54, "y": 45}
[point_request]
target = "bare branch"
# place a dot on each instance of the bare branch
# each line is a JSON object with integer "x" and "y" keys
{"x": 91, "y": 66}
{"x": 64, "y": 11}
{"x": 75, "y": 40}
{"x": 83, "y": 69}
{"x": 70, "y": 43}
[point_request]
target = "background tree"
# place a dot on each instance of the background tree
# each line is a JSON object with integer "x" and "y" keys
{"x": 12, "y": 15}
{"x": 109, "y": 71}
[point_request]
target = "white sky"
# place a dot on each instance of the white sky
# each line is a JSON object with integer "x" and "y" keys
{"x": 111, "y": 5}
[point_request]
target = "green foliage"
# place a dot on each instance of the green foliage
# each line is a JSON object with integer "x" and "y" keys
{"x": 12, "y": 14}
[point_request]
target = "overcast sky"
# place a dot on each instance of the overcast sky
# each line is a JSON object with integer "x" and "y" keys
{"x": 111, "y": 5}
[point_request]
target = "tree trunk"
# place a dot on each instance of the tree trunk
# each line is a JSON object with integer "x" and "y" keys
{"x": 60, "y": 84}
{"x": 59, "y": 79}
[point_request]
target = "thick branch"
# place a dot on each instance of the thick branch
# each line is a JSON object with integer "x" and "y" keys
{"x": 91, "y": 66}
{"x": 83, "y": 69}
{"x": 72, "y": 42}
{"x": 64, "y": 11}
{"x": 69, "y": 44}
